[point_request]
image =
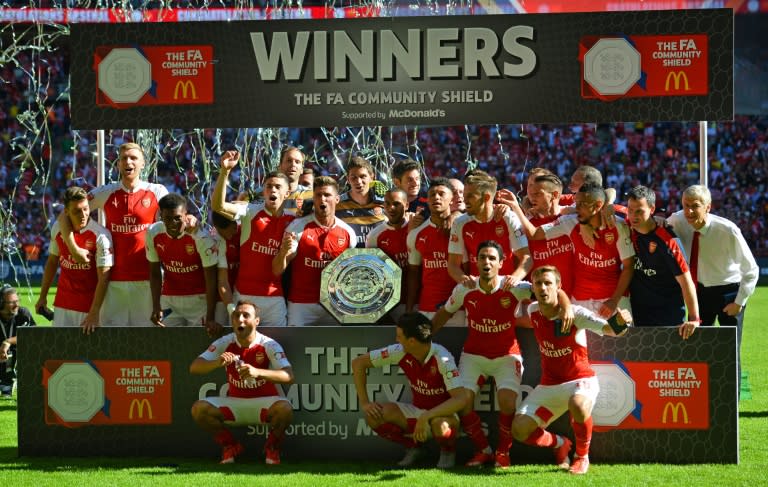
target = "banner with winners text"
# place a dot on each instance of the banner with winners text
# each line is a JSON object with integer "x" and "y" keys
{"x": 441, "y": 70}
{"x": 128, "y": 392}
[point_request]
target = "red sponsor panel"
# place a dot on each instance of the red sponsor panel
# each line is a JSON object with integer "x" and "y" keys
{"x": 668, "y": 395}
{"x": 644, "y": 66}
{"x": 105, "y": 392}
{"x": 128, "y": 76}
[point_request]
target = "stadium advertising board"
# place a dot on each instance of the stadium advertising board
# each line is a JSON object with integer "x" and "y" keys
{"x": 440, "y": 70}
{"x": 111, "y": 397}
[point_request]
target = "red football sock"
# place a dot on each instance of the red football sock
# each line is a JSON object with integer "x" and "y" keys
{"x": 583, "y": 434}
{"x": 224, "y": 438}
{"x": 274, "y": 441}
{"x": 472, "y": 427}
{"x": 393, "y": 432}
{"x": 542, "y": 438}
{"x": 505, "y": 433}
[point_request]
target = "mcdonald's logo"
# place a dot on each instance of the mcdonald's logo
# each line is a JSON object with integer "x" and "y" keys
{"x": 187, "y": 87}
{"x": 138, "y": 406}
{"x": 677, "y": 76}
{"x": 676, "y": 409}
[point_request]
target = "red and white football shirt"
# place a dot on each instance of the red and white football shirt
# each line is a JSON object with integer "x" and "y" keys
{"x": 183, "y": 259}
{"x": 316, "y": 246}
{"x": 428, "y": 248}
{"x": 430, "y": 381}
{"x": 556, "y": 251}
{"x": 564, "y": 358}
{"x": 490, "y": 317}
{"x": 467, "y": 233}
{"x": 128, "y": 214}
{"x": 393, "y": 241}
{"x": 77, "y": 282}
{"x": 596, "y": 270}
{"x": 263, "y": 353}
{"x": 261, "y": 234}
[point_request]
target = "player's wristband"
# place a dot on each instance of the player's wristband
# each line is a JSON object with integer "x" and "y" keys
{"x": 617, "y": 327}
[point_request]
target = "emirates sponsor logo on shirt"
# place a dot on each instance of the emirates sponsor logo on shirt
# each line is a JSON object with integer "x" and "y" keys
{"x": 190, "y": 249}
{"x": 499, "y": 230}
{"x": 652, "y": 247}
{"x": 505, "y": 302}
{"x": 145, "y": 202}
{"x": 609, "y": 238}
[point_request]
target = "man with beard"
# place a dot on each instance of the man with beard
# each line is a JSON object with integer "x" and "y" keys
{"x": 311, "y": 243}
{"x": 254, "y": 363}
{"x": 429, "y": 284}
{"x": 391, "y": 237}
{"x": 183, "y": 269}
{"x": 261, "y": 233}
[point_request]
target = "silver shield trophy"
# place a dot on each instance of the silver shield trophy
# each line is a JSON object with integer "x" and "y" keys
{"x": 360, "y": 286}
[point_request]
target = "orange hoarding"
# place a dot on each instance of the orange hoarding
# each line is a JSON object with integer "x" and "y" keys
{"x": 107, "y": 392}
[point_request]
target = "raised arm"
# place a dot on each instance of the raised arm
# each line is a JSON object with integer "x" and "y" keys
{"x": 218, "y": 202}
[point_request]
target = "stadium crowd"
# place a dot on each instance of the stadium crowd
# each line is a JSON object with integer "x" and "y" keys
{"x": 37, "y": 165}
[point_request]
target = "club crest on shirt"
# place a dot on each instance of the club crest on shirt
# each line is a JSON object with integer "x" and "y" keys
{"x": 145, "y": 202}
{"x": 385, "y": 353}
{"x": 499, "y": 230}
{"x": 341, "y": 241}
{"x": 433, "y": 370}
{"x": 190, "y": 249}
{"x": 609, "y": 238}
{"x": 652, "y": 247}
{"x": 89, "y": 244}
{"x": 258, "y": 357}
{"x": 505, "y": 302}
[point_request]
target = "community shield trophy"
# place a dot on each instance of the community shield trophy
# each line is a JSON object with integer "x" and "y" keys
{"x": 360, "y": 286}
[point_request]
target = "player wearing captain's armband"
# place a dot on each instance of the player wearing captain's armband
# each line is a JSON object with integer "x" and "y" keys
{"x": 436, "y": 388}
{"x": 568, "y": 382}
{"x": 254, "y": 363}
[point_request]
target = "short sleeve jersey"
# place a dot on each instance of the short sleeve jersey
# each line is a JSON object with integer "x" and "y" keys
{"x": 557, "y": 251}
{"x": 128, "y": 215}
{"x": 490, "y": 317}
{"x": 431, "y": 381}
{"x": 467, "y": 233}
{"x": 263, "y": 353}
{"x": 656, "y": 296}
{"x": 77, "y": 282}
{"x": 428, "y": 248}
{"x": 316, "y": 247}
{"x": 564, "y": 358}
{"x": 362, "y": 218}
{"x": 261, "y": 234}
{"x": 596, "y": 270}
{"x": 393, "y": 241}
{"x": 183, "y": 259}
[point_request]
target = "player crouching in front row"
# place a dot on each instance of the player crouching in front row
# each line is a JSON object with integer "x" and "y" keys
{"x": 568, "y": 382}
{"x": 254, "y": 364}
{"x": 436, "y": 388}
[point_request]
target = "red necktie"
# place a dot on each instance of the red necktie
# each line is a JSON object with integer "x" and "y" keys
{"x": 695, "y": 256}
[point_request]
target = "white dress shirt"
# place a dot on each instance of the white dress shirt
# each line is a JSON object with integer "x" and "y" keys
{"x": 724, "y": 256}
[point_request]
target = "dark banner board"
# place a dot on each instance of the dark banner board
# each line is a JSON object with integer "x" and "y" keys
{"x": 441, "y": 70}
{"x": 128, "y": 392}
